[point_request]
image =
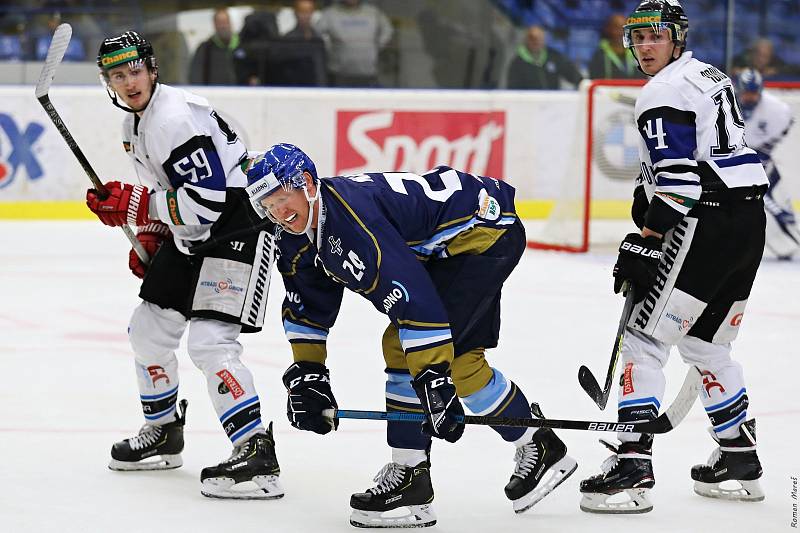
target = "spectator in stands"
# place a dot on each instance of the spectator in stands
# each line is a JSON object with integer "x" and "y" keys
{"x": 537, "y": 66}
{"x": 75, "y": 49}
{"x": 301, "y": 59}
{"x": 303, "y": 30}
{"x": 354, "y": 33}
{"x": 212, "y": 63}
{"x": 612, "y": 60}
{"x": 762, "y": 57}
{"x": 260, "y": 29}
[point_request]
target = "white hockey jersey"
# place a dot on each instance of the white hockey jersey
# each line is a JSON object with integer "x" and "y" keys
{"x": 691, "y": 139}
{"x": 187, "y": 156}
{"x": 769, "y": 122}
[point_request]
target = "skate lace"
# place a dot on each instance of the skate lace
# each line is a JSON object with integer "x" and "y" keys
{"x": 388, "y": 478}
{"x": 147, "y": 436}
{"x": 239, "y": 452}
{"x": 715, "y": 456}
{"x": 526, "y": 458}
{"x": 609, "y": 464}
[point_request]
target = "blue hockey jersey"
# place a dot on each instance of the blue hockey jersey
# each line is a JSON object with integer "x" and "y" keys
{"x": 374, "y": 234}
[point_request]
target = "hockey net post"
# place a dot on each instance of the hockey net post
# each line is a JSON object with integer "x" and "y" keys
{"x": 568, "y": 227}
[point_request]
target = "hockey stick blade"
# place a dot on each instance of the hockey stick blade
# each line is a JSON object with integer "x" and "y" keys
{"x": 585, "y": 377}
{"x": 591, "y": 386}
{"x": 665, "y": 422}
{"x": 55, "y": 54}
{"x": 58, "y": 46}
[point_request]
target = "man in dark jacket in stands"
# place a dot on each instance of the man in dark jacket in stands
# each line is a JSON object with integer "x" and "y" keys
{"x": 537, "y": 66}
{"x": 212, "y": 63}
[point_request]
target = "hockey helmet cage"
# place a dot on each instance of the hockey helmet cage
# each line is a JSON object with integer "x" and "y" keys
{"x": 280, "y": 167}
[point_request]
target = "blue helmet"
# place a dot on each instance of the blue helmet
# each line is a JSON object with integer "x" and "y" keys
{"x": 748, "y": 81}
{"x": 280, "y": 167}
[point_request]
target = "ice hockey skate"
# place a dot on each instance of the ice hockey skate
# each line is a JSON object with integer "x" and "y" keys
{"x": 401, "y": 498}
{"x": 542, "y": 465}
{"x": 250, "y": 473}
{"x": 626, "y": 478}
{"x": 154, "y": 448}
{"x": 733, "y": 464}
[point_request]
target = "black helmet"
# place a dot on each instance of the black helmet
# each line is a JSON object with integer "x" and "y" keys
{"x": 128, "y": 47}
{"x": 658, "y": 14}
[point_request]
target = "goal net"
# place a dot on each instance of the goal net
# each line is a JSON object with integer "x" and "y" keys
{"x": 592, "y": 209}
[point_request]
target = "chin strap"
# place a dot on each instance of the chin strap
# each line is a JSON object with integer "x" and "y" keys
{"x": 115, "y": 99}
{"x": 311, "y": 201}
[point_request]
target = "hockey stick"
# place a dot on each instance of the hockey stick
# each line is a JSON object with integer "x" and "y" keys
{"x": 662, "y": 424}
{"x": 585, "y": 376}
{"x": 55, "y": 54}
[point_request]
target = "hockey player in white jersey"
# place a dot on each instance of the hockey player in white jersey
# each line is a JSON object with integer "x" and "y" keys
{"x": 699, "y": 206}
{"x": 768, "y": 120}
{"x": 188, "y": 162}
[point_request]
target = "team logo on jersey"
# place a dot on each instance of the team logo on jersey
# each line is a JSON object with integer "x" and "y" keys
{"x": 336, "y": 245}
{"x": 17, "y": 150}
{"x": 416, "y": 141}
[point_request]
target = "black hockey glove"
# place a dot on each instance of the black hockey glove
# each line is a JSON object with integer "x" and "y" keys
{"x": 309, "y": 388}
{"x": 639, "y": 206}
{"x": 439, "y": 401}
{"x": 637, "y": 262}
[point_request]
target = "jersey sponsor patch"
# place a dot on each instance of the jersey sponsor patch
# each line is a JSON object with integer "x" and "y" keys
{"x": 488, "y": 207}
{"x": 173, "y": 209}
{"x": 627, "y": 379}
{"x": 231, "y": 384}
{"x": 221, "y": 286}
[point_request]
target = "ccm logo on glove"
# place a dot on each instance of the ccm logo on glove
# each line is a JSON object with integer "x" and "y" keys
{"x": 308, "y": 377}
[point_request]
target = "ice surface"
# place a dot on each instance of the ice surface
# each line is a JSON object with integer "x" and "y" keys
{"x": 69, "y": 391}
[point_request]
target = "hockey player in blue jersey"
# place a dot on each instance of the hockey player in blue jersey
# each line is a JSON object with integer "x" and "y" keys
{"x": 699, "y": 205}
{"x": 432, "y": 252}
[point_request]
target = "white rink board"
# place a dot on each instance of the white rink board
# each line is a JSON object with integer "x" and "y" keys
{"x": 70, "y": 392}
{"x": 534, "y": 139}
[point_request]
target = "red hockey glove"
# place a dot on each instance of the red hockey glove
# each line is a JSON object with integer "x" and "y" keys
{"x": 125, "y": 204}
{"x": 151, "y": 236}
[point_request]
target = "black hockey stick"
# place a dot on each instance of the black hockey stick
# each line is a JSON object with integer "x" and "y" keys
{"x": 585, "y": 376}
{"x": 55, "y": 54}
{"x": 668, "y": 420}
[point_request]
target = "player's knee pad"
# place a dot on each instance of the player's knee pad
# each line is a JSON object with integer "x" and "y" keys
{"x": 212, "y": 342}
{"x": 155, "y": 333}
{"x": 470, "y": 372}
